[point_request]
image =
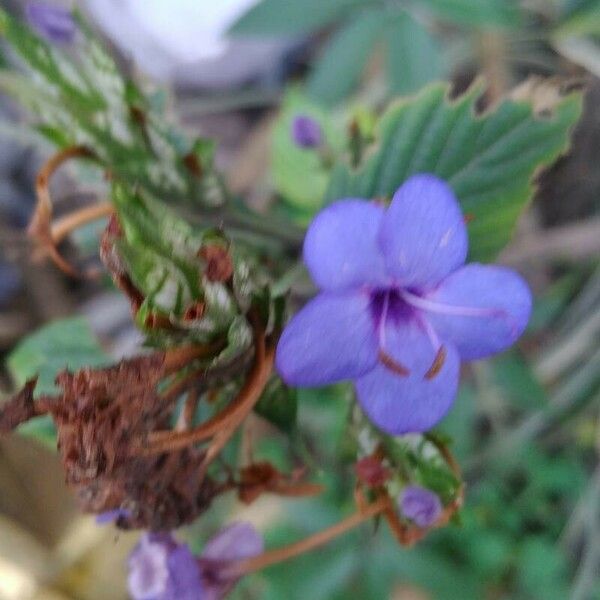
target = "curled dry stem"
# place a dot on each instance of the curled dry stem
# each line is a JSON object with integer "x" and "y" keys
{"x": 223, "y": 425}
{"x": 41, "y": 228}
{"x": 181, "y": 356}
{"x": 186, "y": 417}
{"x": 65, "y": 225}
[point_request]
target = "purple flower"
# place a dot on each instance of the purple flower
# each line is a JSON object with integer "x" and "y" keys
{"x": 420, "y": 506}
{"x": 306, "y": 132}
{"x": 398, "y": 309}
{"x": 52, "y": 22}
{"x": 160, "y": 568}
{"x": 235, "y": 542}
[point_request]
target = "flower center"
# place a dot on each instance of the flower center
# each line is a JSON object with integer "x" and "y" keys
{"x": 387, "y": 304}
{"x": 402, "y": 305}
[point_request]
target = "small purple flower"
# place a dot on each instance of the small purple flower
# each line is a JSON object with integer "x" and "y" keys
{"x": 398, "y": 308}
{"x": 306, "y": 132}
{"x": 235, "y": 542}
{"x": 52, "y": 22}
{"x": 420, "y": 506}
{"x": 160, "y": 568}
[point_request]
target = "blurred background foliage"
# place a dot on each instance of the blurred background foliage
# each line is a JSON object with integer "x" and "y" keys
{"x": 526, "y": 426}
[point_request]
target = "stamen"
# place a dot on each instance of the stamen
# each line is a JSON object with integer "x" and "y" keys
{"x": 449, "y": 309}
{"x": 390, "y": 363}
{"x": 438, "y": 363}
{"x": 394, "y": 366}
{"x": 383, "y": 319}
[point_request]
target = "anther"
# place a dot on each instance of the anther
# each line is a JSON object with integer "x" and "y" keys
{"x": 438, "y": 363}
{"x": 393, "y": 365}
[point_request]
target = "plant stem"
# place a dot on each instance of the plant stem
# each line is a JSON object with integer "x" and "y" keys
{"x": 229, "y": 418}
{"x": 63, "y": 226}
{"x": 40, "y": 225}
{"x": 272, "y": 557}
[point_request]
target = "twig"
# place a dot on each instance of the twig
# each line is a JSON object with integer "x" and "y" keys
{"x": 63, "y": 226}
{"x": 40, "y": 228}
{"x": 186, "y": 417}
{"x": 227, "y": 420}
{"x": 272, "y": 557}
{"x": 177, "y": 358}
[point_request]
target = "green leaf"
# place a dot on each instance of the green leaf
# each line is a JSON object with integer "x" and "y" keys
{"x": 491, "y": 13}
{"x": 490, "y": 159}
{"x": 413, "y": 56}
{"x": 345, "y": 57}
{"x": 64, "y": 344}
{"x": 279, "y": 405}
{"x": 291, "y": 17}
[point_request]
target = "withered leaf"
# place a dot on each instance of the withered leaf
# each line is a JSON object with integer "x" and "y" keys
{"x": 19, "y": 408}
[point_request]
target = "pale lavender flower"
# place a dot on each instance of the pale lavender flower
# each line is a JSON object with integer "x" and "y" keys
{"x": 306, "y": 132}
{"x": 398, "y": 308}
{"x": 420, "y": 505}
{"x": 153, "y": 575}
{"x": 235, "y": 542}
{"x": 160, "y": 568}
{"x": 52, "y": 22}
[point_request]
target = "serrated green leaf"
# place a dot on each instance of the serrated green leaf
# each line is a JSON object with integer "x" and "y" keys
{"x": 490, "y": 160}
{"x": 345, "y": 56}
{"x": 490, "y": 13}
{"x": 290, "y": 17}
{"x": 413, "y": 56}
{"x": 64, "y": 344}
{"x": 161, "y": 254}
